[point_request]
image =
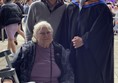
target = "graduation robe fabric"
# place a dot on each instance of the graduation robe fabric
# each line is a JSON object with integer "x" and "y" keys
{"x": 66, "y": 30}
{"x": 93, "y": 62}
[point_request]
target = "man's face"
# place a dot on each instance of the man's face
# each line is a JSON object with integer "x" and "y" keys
{"x": 52, "y": 1}
{"x": 1, "y": 2}
{"x": 8, "y": 81}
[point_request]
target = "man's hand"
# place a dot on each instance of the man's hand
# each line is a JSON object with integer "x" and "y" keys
{"x": 77, "y": 41}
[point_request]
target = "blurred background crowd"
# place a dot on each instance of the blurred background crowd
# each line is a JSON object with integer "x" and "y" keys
{"x": 24, "y": 6}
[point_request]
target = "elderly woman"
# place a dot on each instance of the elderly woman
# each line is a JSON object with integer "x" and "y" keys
{"x": 43, "y": 60}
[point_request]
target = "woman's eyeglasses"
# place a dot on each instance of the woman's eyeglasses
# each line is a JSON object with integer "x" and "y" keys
{"x": 44, "y": 33}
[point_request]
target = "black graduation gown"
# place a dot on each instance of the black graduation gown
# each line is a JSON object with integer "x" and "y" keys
{"x": 93, "y": 62}
{"x": 67, "y": 26}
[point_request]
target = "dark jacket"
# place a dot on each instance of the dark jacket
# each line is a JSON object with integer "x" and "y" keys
{"x": 10, "y": 13}
{"x": 20, "y": 6}
{"x": 23, "y": 62}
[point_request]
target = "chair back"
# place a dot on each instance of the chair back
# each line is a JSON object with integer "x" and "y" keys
{"x": 8, "y": 71}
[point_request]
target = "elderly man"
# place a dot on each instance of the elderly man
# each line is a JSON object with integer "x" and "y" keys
{"x": 47, "y": 10}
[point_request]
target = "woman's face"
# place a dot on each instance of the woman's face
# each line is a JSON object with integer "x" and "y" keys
{"x": 44, "y": 36}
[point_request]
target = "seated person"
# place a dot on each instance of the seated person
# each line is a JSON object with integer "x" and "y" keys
{"x": 42, "y": 60}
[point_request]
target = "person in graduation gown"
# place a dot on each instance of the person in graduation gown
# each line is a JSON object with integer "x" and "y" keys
{"x": 93, "y": 44}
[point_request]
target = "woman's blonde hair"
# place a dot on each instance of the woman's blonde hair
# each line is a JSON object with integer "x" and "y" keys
{"x": 41, "y": 25}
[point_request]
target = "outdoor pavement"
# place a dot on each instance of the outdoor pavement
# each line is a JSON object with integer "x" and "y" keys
{"x": 116, "y": 59}
{"x": 3, "y": 46}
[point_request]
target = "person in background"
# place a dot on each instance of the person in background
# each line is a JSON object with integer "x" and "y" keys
{"x": 10, "y": 17}
{"x": 1, "y": 3}
{"x": 5, "y": 36}
{"x": 20, "y": 5}
{"x": 26, "y": 6}
{"x": 42, "y": 60}
{"x": 44, "y": 10}
{"x": 111, "y": 7}
{"x": 115, "y": 28}
{"x": 18, "y": 2}
{"x": 26, "y": 9}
